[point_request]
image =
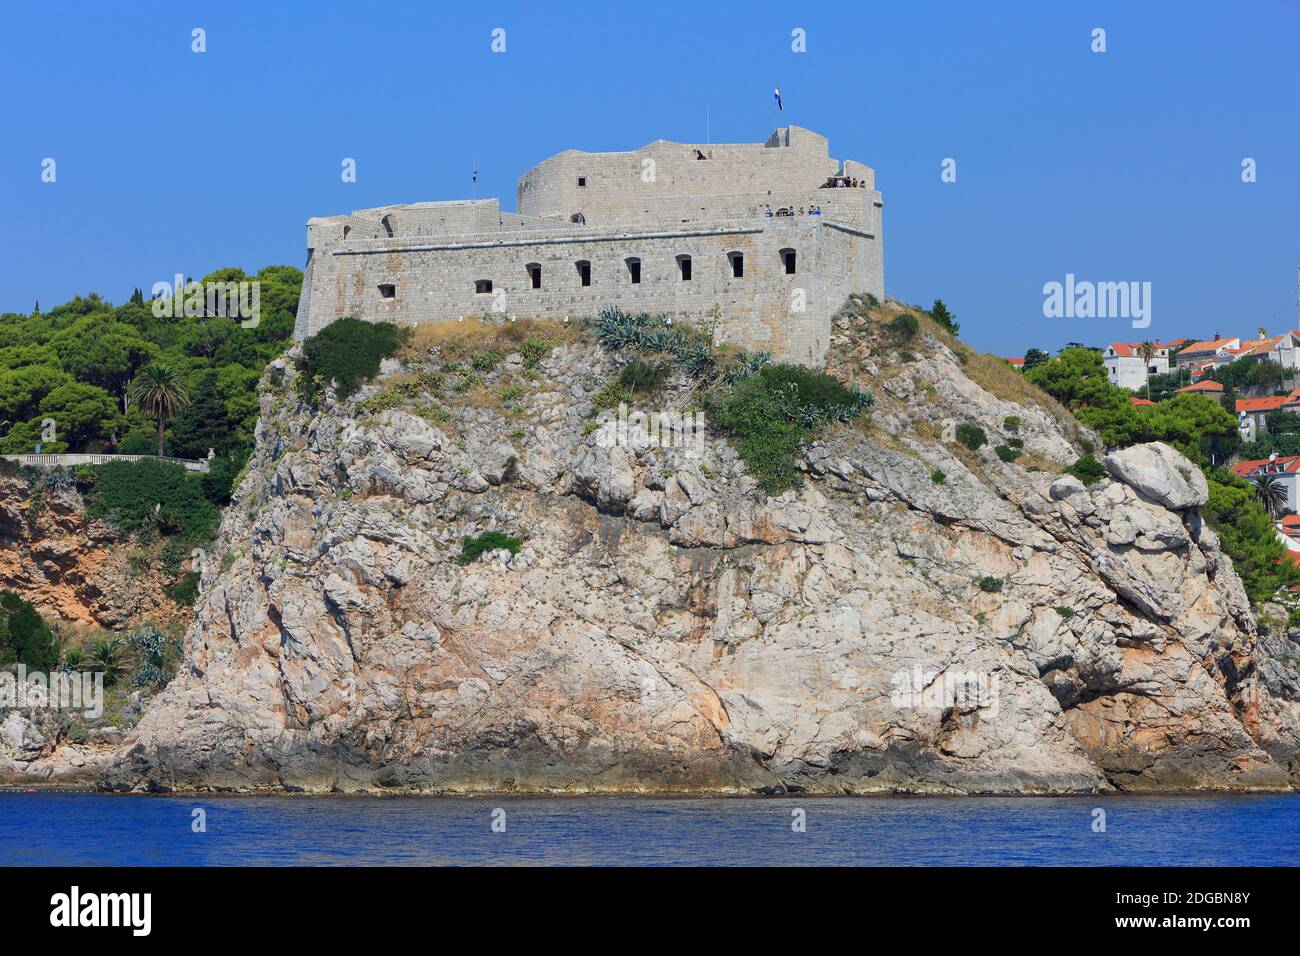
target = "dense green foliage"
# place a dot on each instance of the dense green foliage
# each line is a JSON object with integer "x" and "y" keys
{"x": 534, "y": 349}
{"x": 473, "y": 548}
{"x": 1164, "y": 386}
{"x": 1246, "y": 533}
{"x": 25, "y": 638}
{"x": 152, "y": 496}
{"x": 348, "y": 353}
{"x": 159, "y": 391}
{"x": 1197, "y": 426}
{"x": 770, "y": 413}
{"x": 1283, "y": 437}
{"x": 155, "y": 655}
{"x": 1247, "y": 373}
{"x": 76, "y": 364}
{"x": 1035, "y": 358}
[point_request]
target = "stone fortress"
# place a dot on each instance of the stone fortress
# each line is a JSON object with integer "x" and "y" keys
{"x": 690, "y": 231}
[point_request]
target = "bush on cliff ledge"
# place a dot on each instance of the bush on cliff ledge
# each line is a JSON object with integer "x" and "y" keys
{"x": 348, "y": 353}
{"x": 775, "y": 410}
{"x": 473, "y": 548}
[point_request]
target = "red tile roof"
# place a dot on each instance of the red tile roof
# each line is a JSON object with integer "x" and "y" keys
{"x": 1270, "y": 404}
{"x": 1209, "y": 345}
{"x": 1203, "y": 386}
{"x": 1017, "y": 362}
{"x": 1289, "y": 465}
{"x": 1139, "y": 401}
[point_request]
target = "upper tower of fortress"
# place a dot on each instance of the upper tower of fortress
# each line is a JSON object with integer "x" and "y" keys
{"x": 667, "y": 181}
{"x": 661, "y": 184}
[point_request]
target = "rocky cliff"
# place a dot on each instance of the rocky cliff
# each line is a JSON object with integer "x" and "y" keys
{"x": 916, "y": 617}
{"x": 73, "y": 568}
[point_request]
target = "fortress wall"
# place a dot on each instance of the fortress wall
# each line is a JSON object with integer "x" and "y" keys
{"x": 758, "y": 311}
{"x": 701, "y": 208}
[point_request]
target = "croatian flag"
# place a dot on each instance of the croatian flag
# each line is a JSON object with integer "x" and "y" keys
{"x": 777, "y": 94}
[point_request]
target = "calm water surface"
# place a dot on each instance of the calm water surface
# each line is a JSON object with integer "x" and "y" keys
{"x": 76, "y": 829}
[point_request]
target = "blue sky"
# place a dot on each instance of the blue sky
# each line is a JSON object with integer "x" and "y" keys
{"x": 1123, "y": 165}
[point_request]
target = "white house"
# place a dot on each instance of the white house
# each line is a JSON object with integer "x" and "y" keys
{"x": 1126, "y": 368}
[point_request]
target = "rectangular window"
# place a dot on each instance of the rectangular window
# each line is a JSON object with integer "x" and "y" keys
{"x": 634, "y": 270}
{"x": 582, "y": 180}
{"x": 535, "y": 276}
{"x": 737, "y": 265}
{"x": 787, "y": 257}
{"x": 684, "y": 262}
{"x": 482, "y": 285}
{"x": 387, "y": 290}
{"x": 584, "y": 273}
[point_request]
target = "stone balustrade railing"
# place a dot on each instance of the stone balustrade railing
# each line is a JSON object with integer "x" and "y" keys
{"x": 65, "y": 461}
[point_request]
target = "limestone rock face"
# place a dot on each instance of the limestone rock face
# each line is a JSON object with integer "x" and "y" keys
{"x": 1159, "y": 473}
{"x": 73, "y": 568}
{"x": 915, "y": 617}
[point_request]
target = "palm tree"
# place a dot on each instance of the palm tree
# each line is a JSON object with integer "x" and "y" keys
{"x": 1271, "y": 494}
{"x": 1148, "y": 351}
{"x": 158, "y": 390}
{"x": 108, "y": 655}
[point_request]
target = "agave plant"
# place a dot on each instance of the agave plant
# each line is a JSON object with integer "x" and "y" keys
{"x": 699, "y": 361}
{"x": 813, "y": 417}
{"x": 149, "y": 675}
{"x": 151, "y": 645}
{"x": 859, "y": 403}
{"x": 616, "y": 329}
{"x": 746, "y": 365}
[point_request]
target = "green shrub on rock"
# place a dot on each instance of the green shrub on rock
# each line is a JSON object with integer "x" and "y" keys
{"x": 972, "y": 436}
{"x": 474, "y": 547}
{"x": 772, "y": 412}
{"x": 1087, "y": 469}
